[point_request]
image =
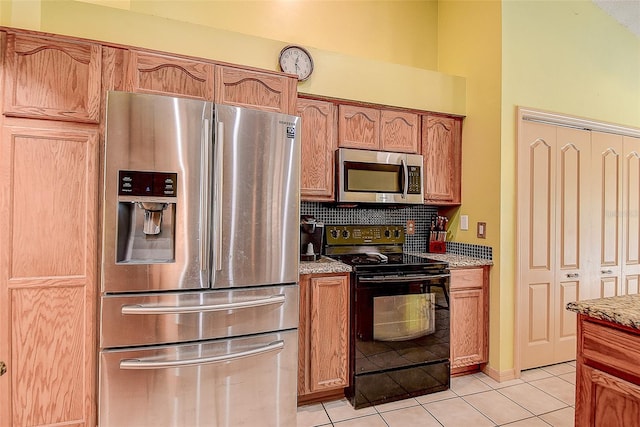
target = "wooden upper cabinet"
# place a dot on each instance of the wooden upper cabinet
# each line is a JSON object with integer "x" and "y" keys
{"x": 358, "y": 127}
{"x": 378, "y": 129}
{"x": 52, "y": 79}
{"x": 168, "y": 75}
{"x": 318, "y": 147}
{"x": 255, "y": 89}
{"x": 399, "y": 131}
{"x": 442, "y": 151}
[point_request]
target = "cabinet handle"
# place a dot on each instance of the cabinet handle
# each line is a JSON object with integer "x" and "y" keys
{"x": 606, "y": 271}
{"x": 3, "y": 368}
{"x": 573, "y": 275}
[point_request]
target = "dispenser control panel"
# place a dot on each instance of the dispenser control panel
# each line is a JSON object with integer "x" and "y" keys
{"x": 157, "y": 184}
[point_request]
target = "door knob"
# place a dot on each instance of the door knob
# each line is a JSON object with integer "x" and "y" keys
{"x": 3, "y": 368}
{"x": 572, "y": 275}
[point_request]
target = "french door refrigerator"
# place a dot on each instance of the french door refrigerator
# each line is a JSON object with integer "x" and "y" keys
{"x": 199, "y": 292}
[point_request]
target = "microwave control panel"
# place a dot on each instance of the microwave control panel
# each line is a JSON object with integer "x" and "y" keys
{"x": 415, "y": 180}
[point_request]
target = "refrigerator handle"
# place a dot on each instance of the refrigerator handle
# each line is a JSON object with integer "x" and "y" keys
{"x": 219, "y": 175}
{"x": 161, "y": 364}
{"x": 204, "y": 197}
{"x": 170, "y": 309}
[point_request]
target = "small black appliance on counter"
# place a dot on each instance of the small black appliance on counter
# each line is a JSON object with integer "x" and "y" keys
{"x": 311, "y": 238}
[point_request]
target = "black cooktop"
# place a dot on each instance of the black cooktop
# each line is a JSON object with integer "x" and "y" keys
{"x": 363, "y": 259}
{"x": 373, "y": 248}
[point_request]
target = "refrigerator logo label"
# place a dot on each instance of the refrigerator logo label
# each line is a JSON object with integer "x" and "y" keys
{"x": 291, "y": 131}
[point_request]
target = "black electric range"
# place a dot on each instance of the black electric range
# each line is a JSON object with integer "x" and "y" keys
{"x": 399, "y": 341}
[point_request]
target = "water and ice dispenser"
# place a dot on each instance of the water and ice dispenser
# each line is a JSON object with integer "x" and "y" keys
{"x": 146, "y": 217}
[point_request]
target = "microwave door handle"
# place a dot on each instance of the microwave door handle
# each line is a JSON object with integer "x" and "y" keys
{"x": 204, "y": 197}
{"x": 405, "y": 179}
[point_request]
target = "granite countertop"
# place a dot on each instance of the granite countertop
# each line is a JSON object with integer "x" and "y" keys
{"x": 623, "y": 310}
{"x": 456, "y": 261}
{"x": 329, "y": 265}
{"x": 324, "y": 265}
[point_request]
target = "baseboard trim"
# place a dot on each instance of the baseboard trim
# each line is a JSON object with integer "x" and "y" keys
{"x": 500, "y": 376}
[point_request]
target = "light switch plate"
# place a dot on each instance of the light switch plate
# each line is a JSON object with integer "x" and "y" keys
{"x": 464, "y": 222}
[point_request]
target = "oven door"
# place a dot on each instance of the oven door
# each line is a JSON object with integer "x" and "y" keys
{"x": 400, "y": 339}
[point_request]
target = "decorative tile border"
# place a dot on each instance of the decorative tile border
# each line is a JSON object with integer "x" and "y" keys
{"x": 421, "y": 214}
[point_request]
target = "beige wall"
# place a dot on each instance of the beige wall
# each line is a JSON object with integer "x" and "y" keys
{"x": 469, "y": 44}
{"x": 567, "y": 57}
{"x": 375, "y": 51}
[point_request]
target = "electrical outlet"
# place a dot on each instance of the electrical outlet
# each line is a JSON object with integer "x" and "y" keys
{"x": 411, "y": 227}
{"x": 482, "y": 230}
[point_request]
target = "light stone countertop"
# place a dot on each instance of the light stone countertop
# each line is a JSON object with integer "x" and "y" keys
{"x": 455, "y": 261}
{"x": 324, "y": 265}
{"x": 623, "y": 310}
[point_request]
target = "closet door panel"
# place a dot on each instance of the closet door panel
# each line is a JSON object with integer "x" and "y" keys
{"x": 537, "y": 173}
{"x": 606, "y": 212}
{"x": 631, "y": 220}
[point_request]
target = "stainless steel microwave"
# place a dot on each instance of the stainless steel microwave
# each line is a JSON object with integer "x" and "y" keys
{"x": 364, "y": 176}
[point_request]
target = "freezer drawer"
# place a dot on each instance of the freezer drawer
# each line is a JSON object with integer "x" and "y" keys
{"x": 147, "y": 319}
{"x": 248, "y": 381}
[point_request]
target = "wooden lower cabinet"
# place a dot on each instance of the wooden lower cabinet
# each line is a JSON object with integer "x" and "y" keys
{"x": 469, "y": 319}
{"x": 48, "y": 273}
{"x": 323, "y": 350}
{"x": 607, "y": 374}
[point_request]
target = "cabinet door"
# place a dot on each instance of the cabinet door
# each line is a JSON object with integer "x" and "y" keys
{"x": 469, "y": 322}
{"x": 253, "y": 89}
{"x": 52, "y": 79}
{"x": 167, "y": 75}
{"x": 441, "y": 148}
{"x": 324, "y": 323}
{"x": 318, "y": 147}
{"x": 399, "y": 131}
{"x": 48, "y": 202}
{"x": 605, "y": 400}
{"x": 358, "y": 127}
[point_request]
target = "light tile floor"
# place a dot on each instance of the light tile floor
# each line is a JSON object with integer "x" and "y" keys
{"x": 541, "y": 397}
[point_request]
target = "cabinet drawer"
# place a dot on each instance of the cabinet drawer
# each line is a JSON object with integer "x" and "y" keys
{"x": 467, "y": 278}
{"x": 611, "y": 348}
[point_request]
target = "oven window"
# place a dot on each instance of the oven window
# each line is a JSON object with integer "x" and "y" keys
{"x": 403, "y": 317}
{"x": 372, "y": 177}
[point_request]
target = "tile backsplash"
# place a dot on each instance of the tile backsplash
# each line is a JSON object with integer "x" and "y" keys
{"x": 420, "y": 214}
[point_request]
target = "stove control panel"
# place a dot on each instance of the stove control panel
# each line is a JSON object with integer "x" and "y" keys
{"x": 337, "y": 235}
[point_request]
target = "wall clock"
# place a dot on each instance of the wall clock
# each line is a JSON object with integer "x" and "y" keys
{"x": 296, "y": 60}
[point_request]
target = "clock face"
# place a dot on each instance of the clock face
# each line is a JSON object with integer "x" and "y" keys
{"x": 296, "y": 60}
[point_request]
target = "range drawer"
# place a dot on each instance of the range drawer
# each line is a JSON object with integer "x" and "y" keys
{"x": 143, "y": 319}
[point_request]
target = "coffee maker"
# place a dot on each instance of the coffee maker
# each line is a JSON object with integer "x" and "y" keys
{"x": 311, "y": 238}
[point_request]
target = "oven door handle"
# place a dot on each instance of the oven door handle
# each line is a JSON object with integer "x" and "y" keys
{"x": 181, "y": 363}
{"x": 390, "y": 279}
{"x": 163, "y": 309}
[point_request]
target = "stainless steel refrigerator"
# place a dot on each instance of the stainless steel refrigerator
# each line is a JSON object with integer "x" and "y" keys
{"x": 199, "y": 295}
